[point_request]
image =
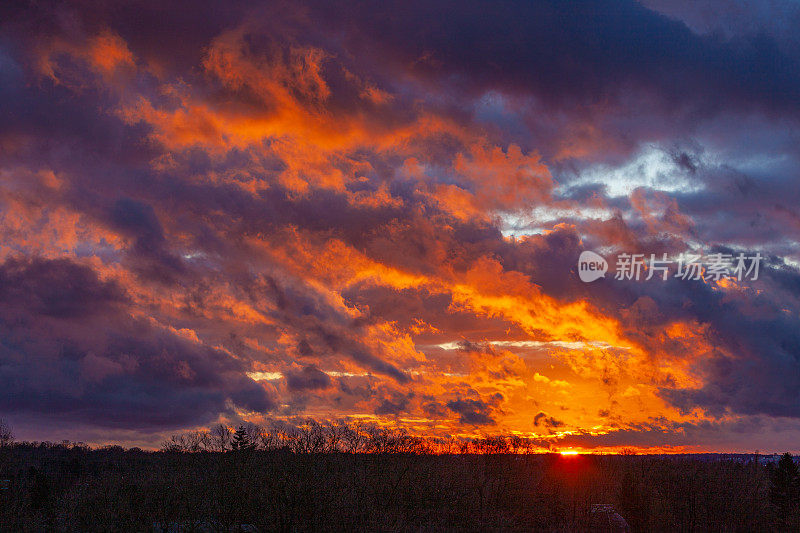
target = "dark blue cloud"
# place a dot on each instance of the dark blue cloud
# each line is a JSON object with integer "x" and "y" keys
{"x": 69, "y": 346}
{"x": 473, "y": 412}
{"x": 309, "y": 378}
{"x": 583, "y": 53}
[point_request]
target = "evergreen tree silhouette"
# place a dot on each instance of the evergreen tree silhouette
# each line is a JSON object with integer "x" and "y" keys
{"x": 241, "y": 441}
{"x": 784, "y": 491}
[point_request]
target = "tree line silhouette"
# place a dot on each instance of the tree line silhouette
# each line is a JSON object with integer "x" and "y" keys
{"x": 342, "y": 477}
{"x": 311, "y": 436}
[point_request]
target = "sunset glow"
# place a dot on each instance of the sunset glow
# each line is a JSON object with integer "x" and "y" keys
{"x": 374, "y": 215}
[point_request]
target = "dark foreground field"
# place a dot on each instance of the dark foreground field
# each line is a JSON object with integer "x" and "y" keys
{"x": 73, "y": 488}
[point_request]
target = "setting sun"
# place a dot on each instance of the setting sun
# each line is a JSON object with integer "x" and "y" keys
{"x": 568, "y": 452}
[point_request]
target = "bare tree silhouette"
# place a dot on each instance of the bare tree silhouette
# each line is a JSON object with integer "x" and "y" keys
{"x": 6, "y": 435}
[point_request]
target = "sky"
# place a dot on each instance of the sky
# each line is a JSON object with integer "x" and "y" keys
{"x": 228, "y": 212}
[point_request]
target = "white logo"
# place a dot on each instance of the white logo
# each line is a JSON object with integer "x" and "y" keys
{"x": 591, "y": 266}
{"x": 719, "y": 268}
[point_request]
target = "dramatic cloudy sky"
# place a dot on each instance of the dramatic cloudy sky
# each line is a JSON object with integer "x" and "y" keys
{"x": 221, "y": 211}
